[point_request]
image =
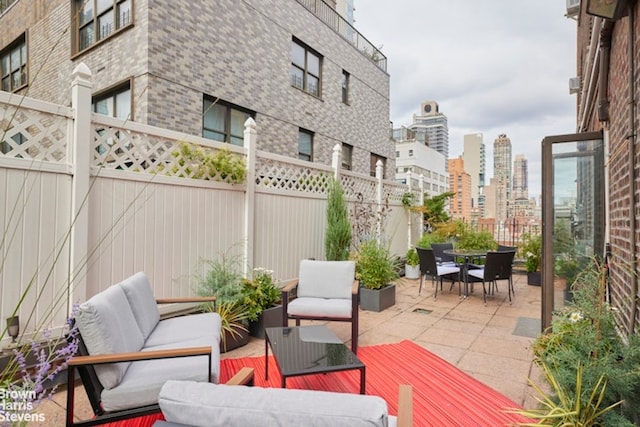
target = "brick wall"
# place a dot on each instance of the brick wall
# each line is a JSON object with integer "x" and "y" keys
{"x": 238, "y": 51}
{"x": 622, "y": 210}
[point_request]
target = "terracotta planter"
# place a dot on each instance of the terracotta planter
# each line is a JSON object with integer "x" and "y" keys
{"x": 534, "y": 278}
{"x": 377, "y": 299}
{"x": 412, "y": 272}
{"x": 269, "y": 318}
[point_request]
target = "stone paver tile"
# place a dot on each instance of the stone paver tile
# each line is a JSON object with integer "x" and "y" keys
{"x": 448, "y": 337}
{"x": 511, "y": 348}
{"x": 514, "y": 389}
{"x": 448, "y": 353}
{"x": 460, "y": 326}
{"x": 478, "y": 363}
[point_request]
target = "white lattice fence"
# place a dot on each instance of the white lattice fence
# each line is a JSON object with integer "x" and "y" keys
{"x": 284, "y": 173}
{"x": 33, "y": 130}
{"x": 138, "y": 148}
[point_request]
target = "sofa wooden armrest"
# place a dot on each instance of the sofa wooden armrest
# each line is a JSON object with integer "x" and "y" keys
{"x": 100, "y": 359}
{"x": 355, "y": 288}
{"x": 289, "y": 286}
{"x": 405, "y": 406}
{"x": 243, "y": 377}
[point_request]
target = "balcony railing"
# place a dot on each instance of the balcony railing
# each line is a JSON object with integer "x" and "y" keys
{"x": 332, "y": 19}
{"x": 4, "y": 5}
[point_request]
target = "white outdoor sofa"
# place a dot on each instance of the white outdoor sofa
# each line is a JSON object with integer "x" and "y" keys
{"x": 127, "y": 353}
{"x": 191, "y": 404}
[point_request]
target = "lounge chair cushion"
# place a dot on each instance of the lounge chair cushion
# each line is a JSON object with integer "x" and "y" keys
{"x": 140, "y": 296}
{"x": 211, "y": 405}
{"x": 108, "y": 326}
{"x": 320, "y": 307}
{"x": 326, "y": 279}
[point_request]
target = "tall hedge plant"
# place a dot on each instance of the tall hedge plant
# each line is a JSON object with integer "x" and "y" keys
{"x": 338, "y": 234}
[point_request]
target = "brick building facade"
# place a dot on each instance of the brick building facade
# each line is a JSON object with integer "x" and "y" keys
{"x": 608, "y": 53}
{"x": 172, "y": 57}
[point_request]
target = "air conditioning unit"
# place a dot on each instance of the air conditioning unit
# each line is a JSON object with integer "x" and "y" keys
{"x": 573, "y": 8}
{"x": 574, "y": 84}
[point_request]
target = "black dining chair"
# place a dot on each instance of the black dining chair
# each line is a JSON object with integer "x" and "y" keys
{"x": 441, "y": 257}
{"x": 429, "y": 267}
{"x": 498, "y": 266}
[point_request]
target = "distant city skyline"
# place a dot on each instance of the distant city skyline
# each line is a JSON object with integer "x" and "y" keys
{"x": 487, "y": 64}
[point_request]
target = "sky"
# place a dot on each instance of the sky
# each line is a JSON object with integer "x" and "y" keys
{"x": 493, "y": 66}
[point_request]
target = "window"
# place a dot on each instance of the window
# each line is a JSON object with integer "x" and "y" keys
{"x": 305, "y": 69}
{"x": 305, "y": 145}
{"x": 224, "y": 122}
{"x": 397, "y": 154}
{"x": 410, "y": 153}
{"x": 99, "y": 19}
{"x": 347, "y": 155}
{"x": 345, "y": 87}
{"x": 374, "y": 160}
{"x": 13, "y": 65}
{"x": 114, "y": 102}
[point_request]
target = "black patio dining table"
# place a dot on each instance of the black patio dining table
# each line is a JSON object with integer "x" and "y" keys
{"x": 468, "y": 255}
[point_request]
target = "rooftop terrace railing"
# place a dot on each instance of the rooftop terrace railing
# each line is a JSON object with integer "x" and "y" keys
{"x": 331, "y": 18}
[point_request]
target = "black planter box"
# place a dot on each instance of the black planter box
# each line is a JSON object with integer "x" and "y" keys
{"x": 269, "y": 318}
{"x": 377, "y": 299}
{"x": 534, "y": 278}
{"x": 234, "y": 340}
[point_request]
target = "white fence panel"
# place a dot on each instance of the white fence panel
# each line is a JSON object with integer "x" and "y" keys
{"x": 164, "y": 230}
{"x": 34, "y": 247}
{"x": 288, "y": 229}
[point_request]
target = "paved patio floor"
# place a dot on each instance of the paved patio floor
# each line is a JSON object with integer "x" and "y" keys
{"x": 491, "y": 343}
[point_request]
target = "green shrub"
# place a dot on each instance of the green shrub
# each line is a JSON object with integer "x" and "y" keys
{"x": 338, "y": 234}
{"x": 375, "y": 265}
{"x": 585, "y": 334}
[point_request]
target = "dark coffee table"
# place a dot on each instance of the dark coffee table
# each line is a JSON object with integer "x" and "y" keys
{"x": 306, "y": 350}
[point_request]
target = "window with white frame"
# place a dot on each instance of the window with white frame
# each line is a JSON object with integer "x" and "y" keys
{"x": 13, "y": 65}
{"x": 305, "y": 68}
{"x": 96, "y": 20}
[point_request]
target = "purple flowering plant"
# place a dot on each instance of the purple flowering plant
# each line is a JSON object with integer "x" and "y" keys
{"x": 28, "y": 378}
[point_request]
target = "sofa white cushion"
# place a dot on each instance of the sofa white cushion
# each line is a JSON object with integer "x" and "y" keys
{"x": 143, "y": 380}
{"x": 107, "y": 326}
{"x": 326, "y": 279}
{"x": 212, "y": 405}
{"x": 175, "y": 330}
{"x": 140, "y": 295}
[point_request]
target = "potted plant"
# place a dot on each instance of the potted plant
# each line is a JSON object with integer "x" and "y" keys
{"x": 223, "y": 281}
{"x": 261, "y": 298}
{"x": 531, "y": 251}
{"x": 412, "y": 265}
{"x": 376, "y": 270}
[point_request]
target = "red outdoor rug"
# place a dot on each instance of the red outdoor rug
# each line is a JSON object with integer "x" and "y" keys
{"x": 443, "y": 395}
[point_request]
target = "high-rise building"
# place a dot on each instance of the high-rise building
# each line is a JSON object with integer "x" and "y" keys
{"x": 460, "y": 186}
{"x": 413, "y": 155}
{"x": 520, "y": 178}
{"x": 502, "y": 176}
{"x": 433, "y": 124}
{"x": 474, "y": 157}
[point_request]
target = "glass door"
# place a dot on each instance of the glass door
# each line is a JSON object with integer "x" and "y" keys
{"x": 572, "y": 213}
